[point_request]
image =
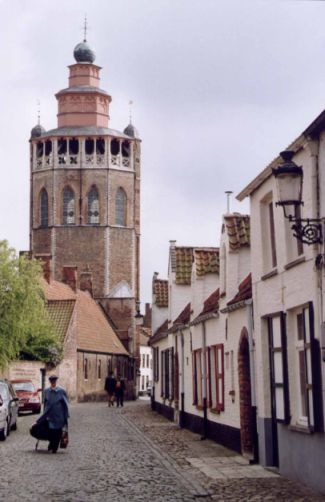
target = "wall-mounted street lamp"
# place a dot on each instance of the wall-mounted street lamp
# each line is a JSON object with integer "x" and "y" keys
{"x": 289, "y": 179}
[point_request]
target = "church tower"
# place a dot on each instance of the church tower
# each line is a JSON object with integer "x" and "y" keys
{"x": 85, "y": 196}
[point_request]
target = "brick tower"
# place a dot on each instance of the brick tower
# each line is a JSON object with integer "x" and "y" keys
{"x": 85, "y": 196}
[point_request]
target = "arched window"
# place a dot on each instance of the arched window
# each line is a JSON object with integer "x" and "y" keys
{"x": 120, "y": 207}
{"x": 44, "y": 208}
{"x": 93, "y": 206}
{"x": 68, "y": 207}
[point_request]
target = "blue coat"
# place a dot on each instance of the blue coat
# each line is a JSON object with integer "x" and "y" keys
{"x": 56, "y": 407}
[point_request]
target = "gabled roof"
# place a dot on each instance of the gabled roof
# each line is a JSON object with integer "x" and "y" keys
{"x": 244, "y": 291}
{"x": 206, "y": 261}
{"x": 210, "y": 308}
{"x": 160, "y": 333}
{"x": 183, "y": 318}
{"x": 94, "y": 332}
{"x": 238, "y": 230}
{"x": 160, "y": 290}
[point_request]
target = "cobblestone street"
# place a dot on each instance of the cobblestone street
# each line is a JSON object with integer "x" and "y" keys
{"x": 133, "y": 454}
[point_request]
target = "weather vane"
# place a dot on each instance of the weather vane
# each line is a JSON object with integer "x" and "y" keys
{"x": 38, "y": 112}
{"x": 85, "y": 29}
{"x": 130, "y": 110}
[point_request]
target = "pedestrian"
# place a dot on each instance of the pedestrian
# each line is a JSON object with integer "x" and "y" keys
{"x": 110, "y": 384}
{"x": 119, "y": 391}
{"x": 56, "y": 412}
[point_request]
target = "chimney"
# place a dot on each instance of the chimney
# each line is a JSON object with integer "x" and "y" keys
{"x": 147, "y": 316}
{"x": 86, "y": 282}
{"x": 69, "y": 277}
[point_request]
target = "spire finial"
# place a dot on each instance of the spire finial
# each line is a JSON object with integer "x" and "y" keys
{"x": 38, "y": 112}
{"x": 130, "y": 110}
{"x": 228, "y": 193}
{"x": 85, "y": 29}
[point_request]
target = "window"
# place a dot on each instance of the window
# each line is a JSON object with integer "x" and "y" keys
{"x": 167, "y": 373}
{"x": 68, "y": 206}
{"x": 268, "y": 234}
{"x": 156, "y": 364}
{"x": 278, "y": 368}
{"x": 115, "y": 147}
{"x": 125, "y": 149}
{"x": 44, "y": 208}
{"x": 85, "y": 368}
{"x": 147, "y": 360}
{"x": 147, "y": 381}
{"x": 142, "y": 382}
{"x": 143, "y": 360}
{"x": 93, "y": 206}
{"x": 120, "y": 207}
{"x": 100, "y": 146}
{"x": 99, "y": 369}
{"x": 89, "y": 146}
{"x": 308, "y": 370}
{"x": 216, "y": 381}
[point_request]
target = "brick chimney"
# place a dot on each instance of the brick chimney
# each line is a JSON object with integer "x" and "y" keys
{"x": 69, "y": 277}
{"x": 46, "y": 264}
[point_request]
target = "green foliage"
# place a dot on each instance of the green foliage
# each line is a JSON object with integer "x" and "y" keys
{"x": 25, "y": 327}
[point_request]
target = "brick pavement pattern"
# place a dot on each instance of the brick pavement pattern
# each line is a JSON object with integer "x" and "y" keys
{"x": 132, "y": 454}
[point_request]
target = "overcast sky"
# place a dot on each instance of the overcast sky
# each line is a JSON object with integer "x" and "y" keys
{"x": 219, "y": 89}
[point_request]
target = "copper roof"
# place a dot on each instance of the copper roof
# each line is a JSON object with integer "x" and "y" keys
{"x": 183, "y": 266}
{"x": 160, "y": 290}
{"x": 238, "y": 230}
{"x": 244, "y": 291}
{"x": 94, "y": 333}
{"x": 206, "y": 261}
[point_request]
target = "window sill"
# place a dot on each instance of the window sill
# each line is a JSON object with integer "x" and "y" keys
{"x": 269, "y": 274}
{"x": 301, "y": 428}
{"x": 293, "y": 263}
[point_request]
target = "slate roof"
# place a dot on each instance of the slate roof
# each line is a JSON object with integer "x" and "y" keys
{"x": 244, "y": 291}
{"x": 238, "y": 230}
{"x": 206, "y": 261}
{"x": 160, "y": 333}
{"x": 94, "y": 332}
{"x": 160, "y": 290}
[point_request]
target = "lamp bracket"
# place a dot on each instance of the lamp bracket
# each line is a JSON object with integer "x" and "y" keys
{"x": 307, "y": 230}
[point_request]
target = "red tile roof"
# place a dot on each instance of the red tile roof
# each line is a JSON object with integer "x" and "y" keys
{"x": 57, "y": 291}
{"x": 160, "y": 290}
{"x": 238, "y": 230}
{"x": 60, "y": 312}
{"x": 211, "y": 304}
{"x": 184, "y": 317}
{"x": 183, "y": 267}
{"x": 160, "y": 333}
{"x": 244, "y": 291}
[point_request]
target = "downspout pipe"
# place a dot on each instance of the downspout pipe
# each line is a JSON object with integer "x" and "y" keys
{"x": 204, "y": 384}
{"x": 249, "y": 313}
{"x": 182, "y": 411}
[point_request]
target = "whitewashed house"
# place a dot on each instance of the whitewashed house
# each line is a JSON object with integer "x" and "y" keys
{"x": 145, "y": 380}
{"x": 288, "y": 296}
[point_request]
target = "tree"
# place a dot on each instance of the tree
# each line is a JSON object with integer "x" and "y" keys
{"x": 25, "y": 327}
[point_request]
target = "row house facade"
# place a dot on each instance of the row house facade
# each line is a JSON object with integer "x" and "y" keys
{"x": 288, "y": 298}
{"x": 202, "y": 339}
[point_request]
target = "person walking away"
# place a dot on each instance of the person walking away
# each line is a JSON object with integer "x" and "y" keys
{"x": 119, "y": 391}
{"x": 110, "y": 384}
{"x": 56, "y": 412}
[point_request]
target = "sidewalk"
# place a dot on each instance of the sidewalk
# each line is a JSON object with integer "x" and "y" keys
{"x": 220, "y": 474}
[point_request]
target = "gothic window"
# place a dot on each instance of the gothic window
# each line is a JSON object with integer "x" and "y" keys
{"x": 115, "y": 147}
{"x": 120, "y": 208}
{"x": 93, "y": 206}
{"x": 44, "y": 208}
{"x": 68, "y": 206}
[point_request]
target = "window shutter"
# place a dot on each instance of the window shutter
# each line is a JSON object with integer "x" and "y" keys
{"x": 316, "y": 374}
{"x": 194, "y": 375}
{"x": 209, "y": 400}
{"x": 220, "y": 382}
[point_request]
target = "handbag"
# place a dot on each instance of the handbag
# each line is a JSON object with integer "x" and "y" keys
{"x": 64, "y": 438}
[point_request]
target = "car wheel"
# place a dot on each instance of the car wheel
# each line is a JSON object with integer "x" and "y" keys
{"x": 4, "y": 433}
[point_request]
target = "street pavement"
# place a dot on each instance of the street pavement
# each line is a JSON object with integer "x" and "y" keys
{"x": 133, "y": 454}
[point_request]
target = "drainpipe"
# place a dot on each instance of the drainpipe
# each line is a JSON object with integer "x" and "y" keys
{"x": 204, "y": 384}
{"x": 181, "y": 415}
{"x": 249, "y": 313}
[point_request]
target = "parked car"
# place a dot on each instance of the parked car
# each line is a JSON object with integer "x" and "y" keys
{"x": 29, "y": 399}
{"x": 8, "y": 409}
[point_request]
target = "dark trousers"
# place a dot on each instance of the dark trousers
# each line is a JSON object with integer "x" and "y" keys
{"x": 119, "y": 398}
{"x": 54, "y": 438}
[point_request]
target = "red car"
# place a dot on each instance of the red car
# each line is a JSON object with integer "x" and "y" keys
{"x": 29, "y": 398}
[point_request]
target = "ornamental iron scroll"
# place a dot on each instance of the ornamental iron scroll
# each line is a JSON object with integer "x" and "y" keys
{"x": 309, "y": 231}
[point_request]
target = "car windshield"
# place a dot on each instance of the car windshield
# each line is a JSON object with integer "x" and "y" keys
{"x": 26, "y": 386}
